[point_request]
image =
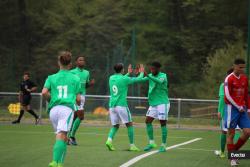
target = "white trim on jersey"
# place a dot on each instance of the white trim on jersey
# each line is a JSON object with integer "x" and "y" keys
{"x": 227, "y": 94}
{"x": 229, "y": 112}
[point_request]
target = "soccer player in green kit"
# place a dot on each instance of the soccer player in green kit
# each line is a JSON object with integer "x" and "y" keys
{"x": 118, "y": 107}
{"x": 159, "y": 104}
{"x": 221, "y": 113}
{"x": 62, "y": 90}
{"x": 85, "y": 83}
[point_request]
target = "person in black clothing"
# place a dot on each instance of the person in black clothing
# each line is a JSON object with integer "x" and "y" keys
{"x": 26, "y": 87}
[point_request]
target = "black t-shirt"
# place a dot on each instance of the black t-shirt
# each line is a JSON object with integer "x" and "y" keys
{"x": 26, "y": 85}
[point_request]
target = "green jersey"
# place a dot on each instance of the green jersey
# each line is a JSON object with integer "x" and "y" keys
{"x": 118, "y": 86}
{"x": 64, "y": 87}
{"x": 84, "y": 78}
{"x": 221, "y": 100}
{"x": 158, "y": 89}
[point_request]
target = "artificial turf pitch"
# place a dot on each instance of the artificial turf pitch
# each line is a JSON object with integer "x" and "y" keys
{"x": 31, "y": 146}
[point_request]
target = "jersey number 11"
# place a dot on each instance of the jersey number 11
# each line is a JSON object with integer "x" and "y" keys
{"x": 62, "y": 91}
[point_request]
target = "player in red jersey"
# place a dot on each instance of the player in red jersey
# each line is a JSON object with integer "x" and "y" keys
{"x": 236, "y": 99}
{"x": 248, "y": 110}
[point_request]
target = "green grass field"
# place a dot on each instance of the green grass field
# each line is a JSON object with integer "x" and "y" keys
{"x": 30, "y": 146}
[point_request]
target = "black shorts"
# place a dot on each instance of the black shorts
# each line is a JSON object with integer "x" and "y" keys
{"x": 26, "y": 100}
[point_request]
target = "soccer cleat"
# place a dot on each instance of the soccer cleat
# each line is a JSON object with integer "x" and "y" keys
{"x": 150, "y": 146}
{"x": 16, "y": 122}
{"x": 59, "y": 165}
{"x": 222, "y": 155}
{"x": 133, "y": 148}
{"x": 219, "y": 154}
{"x": 37, "y": 121}
{"x": 162, "y": 149}
{"x": 53, "y": 164}
{"x": 234, "y": 162}
{"x": 72, "y": 141}
{"x": 110, "y": 146}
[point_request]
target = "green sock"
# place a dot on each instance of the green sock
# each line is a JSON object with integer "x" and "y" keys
{"x": 59, "y": 151}
{"x": 223, "y": 139}
{"x": 76, "y": 125}
{"x": 112, "y": 132}
{"x": 236, "y": 136}
{"x": 150, "y": 131}
{"x": 61, "y": 160}
{"x": 164, "y": 133}
{"x": 131, "y": 134}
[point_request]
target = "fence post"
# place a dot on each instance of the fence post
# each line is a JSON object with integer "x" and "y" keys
{"x": 41, "y": 108}
{"x": 179, "y": 113}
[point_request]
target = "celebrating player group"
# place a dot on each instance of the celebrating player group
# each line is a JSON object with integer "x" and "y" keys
{"x": 66, "y": 91}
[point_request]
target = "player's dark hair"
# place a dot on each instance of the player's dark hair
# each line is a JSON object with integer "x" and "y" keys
{"x": 26, "y": 73}
{"x": 229, "y": 71}
{"x": 79, "y": 57}
{"x": 239, "y": 61}
{"x": 156, "y": 64}
{"x": 64, "y": 58}
{"x": 118, "y": 67}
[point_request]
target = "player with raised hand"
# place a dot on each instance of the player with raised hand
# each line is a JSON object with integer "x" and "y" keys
{"x": 159, "y": 104}
{"x": 236, "y": 99}
{"x": 118, "y": 106}
{"x": 84, "y": 76}
{"x": 62, "y": 90}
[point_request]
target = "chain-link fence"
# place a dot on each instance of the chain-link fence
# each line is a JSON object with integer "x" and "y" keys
{"x": 195, "y": 113}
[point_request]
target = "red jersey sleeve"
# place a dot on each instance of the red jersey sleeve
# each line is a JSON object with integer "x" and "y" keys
{"x": 248, "y": 104}
{"x": 228, "y": 86}
{"x": 246, "y": 95}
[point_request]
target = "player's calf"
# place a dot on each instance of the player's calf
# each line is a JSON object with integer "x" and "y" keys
{"x": 111, "y": 136}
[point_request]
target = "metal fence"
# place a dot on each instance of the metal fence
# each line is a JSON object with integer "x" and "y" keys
{"x": 183, "y": 112}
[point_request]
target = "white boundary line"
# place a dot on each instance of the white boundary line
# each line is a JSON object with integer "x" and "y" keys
{"x": 138, "y": 158}
{"x": 196, "y": 149}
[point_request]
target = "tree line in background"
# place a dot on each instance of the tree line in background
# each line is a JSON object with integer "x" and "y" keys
{"x": 195, "y": 40}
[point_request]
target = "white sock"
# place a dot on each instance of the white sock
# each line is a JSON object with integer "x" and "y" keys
{"x": 132, "y": 145}
{"x": 163, "y": 144}
{"x": 110, "y": 139}
{"x": 151, "y": 142}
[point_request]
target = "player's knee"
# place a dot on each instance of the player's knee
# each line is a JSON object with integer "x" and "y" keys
{"x": 116, "y": 126}
{"x": 148, "y": 120}
{"x": 62, "y": 136}
{"x": 163, "y": 123}
{"x": 80, "y": 114}
{"x": 129, "y": 124}
{"x": 81, "y": 117}
{"x": 230, "y": 136}
{"x": 247, "y": 133}
{"x": 224, "y": 132}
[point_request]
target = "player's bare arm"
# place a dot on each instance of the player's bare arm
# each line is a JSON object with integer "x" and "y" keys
{"x": 91, "y": 83}
{"x": 78, "y": 99}
{"x": 46, "y": 94}
{"x": 33, "y": 89}
{"x": 130, "y": 69}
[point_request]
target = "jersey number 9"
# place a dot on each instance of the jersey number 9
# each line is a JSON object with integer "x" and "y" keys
{"x": 115, "y": 90}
